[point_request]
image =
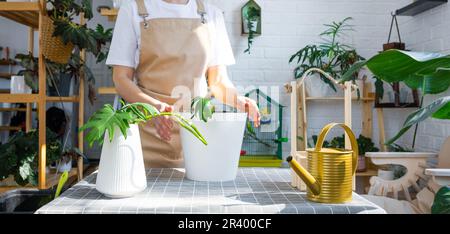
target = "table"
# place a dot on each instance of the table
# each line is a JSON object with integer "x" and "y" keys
{"x": 255, "y": 191}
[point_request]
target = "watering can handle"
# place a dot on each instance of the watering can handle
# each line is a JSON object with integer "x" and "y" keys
{"x": 350, "y": 134}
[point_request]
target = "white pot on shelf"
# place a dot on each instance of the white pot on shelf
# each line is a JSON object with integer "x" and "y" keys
{"x": 254, "y": 24}
{"x": 219, "y": 160}
{"x": 315, "y": 87}
{"x": 19, "y": 86}
{"x": 121, "y": 171}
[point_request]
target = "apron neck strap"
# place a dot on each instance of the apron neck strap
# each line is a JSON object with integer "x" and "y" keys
{"x": 142, "y": 10}
{"x": 201, "y": 10}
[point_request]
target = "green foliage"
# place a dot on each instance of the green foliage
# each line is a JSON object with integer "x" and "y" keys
{"x": 63, "y": 14}
{"x": 441, "y": 204}
{"x": 429, "y": 72}
{"x": 54, "y": 71}
{"x": 252, "y": 15}
{"x": 439, "y": 109}
{"x": 202, "y": 108}
{"x": 19, "y": 156}
{"x": 330, "y": 55}
{"x": 365, "y": 144}
{"x": 108, "y": 119}
{"x": 398, "y": 148}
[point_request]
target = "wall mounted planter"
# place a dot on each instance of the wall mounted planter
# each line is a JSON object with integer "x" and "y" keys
{"x": 251, "y": 11}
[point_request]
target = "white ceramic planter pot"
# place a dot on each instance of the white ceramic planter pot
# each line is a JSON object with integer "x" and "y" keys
{"x": 121, "y": 171}
{"x": 19, "y": 86}
{"x": 315, "y": 87}
{"x": 219, "y": 160}
{"x": 386, "y": 174}
{"x": 64, "y": 166}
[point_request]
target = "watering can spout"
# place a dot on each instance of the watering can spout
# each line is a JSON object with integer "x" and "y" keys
{"x": 309, "y": 180}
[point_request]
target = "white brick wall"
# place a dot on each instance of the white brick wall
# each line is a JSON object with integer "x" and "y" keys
{"x": 291, "y": 24}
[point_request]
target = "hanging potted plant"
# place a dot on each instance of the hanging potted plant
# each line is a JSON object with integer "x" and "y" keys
{"x": 251, "y": 22}
{"x": 217, "y": 161}
{"x": 121, "y": 171}
{"x": 331, "y": 56}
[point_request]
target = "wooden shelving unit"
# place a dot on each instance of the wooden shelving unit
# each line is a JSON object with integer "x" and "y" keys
{"x": 110, "y": 13}
{"x": 26, "y": 13}
{"x": 31, "y": 14}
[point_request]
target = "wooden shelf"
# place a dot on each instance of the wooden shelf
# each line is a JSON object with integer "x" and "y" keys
{"x": 26, "y": 13}
{"x": 63, "y": 99}
{"x": 4, "y": 75}
{"x": 5, "y": 62}
{"x": 419, "y": 6}
{"x": 13, "y": 109}
{"x": 110, "y": 13}
{"x": 107, "y": 90}
{"x": 52, "y": 180}
{"x": 19, "y": 98}
{"x": 9, "y": 128}
{"x": 338, "y": 99}
{"x": 367, "y": 173}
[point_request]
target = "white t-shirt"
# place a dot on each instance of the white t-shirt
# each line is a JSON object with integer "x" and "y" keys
{"x": 125, "y": 45}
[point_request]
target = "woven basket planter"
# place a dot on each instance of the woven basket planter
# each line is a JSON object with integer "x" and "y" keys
{"x": 53, "y": 48}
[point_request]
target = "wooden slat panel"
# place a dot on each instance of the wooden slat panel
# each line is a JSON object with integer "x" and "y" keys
{"x": 25, "y": 18}
{"x": 19, "y": 6}
{"x": 18, "y": 98}
{"x": 63, "y": 99}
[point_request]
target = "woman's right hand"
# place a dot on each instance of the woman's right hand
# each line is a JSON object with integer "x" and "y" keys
{"x": 163, "y": 124}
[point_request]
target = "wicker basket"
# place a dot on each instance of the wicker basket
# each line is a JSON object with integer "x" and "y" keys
{"x": 54, "y": 48}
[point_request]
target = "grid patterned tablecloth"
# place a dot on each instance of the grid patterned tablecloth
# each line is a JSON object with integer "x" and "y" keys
{"x": 255, "y": 190}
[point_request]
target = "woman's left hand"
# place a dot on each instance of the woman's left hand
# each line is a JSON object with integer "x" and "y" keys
{"x": 250, "y": 107}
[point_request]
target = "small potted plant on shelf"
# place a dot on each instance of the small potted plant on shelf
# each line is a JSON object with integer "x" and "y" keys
{"x": 59, "y": 76}
{"x": 365, "y": 144}
{"x": 218, "y": 161}
{"x": 251, "y": 19}
{"x": 121, "y": 171}
{"x": 331, "y": 56}
{"x": 19, "y": 156}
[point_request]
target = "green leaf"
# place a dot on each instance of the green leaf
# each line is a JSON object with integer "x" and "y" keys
{"x": 107, "y": 119}
{"x": 441, "y": 204}
{"x": 440, "y": 108}
{"x": 410, "y": 67}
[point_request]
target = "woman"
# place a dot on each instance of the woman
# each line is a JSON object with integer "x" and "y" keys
{"x": 170, "y": 47}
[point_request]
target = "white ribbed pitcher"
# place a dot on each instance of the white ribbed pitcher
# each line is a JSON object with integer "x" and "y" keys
{"x": 121, "y": 171}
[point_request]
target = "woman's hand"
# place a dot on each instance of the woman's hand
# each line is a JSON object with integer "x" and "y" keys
{"x": 251, "y": 108}
{"x": 163, "y": 124}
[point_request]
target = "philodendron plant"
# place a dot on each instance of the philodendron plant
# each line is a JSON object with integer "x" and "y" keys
{"x": 429, "y": 72}
{"x": 107, "y": 119}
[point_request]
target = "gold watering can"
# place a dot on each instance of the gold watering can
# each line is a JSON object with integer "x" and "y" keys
{"x": 331, "y": 171}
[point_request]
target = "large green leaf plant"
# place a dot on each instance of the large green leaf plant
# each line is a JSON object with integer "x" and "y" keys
{"x": 331, "y": 55}
{"x": 109, "y": 119}
{"x": 429, "y": 72}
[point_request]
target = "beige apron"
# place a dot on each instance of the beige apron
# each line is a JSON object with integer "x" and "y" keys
{"x": 174, "y": 54}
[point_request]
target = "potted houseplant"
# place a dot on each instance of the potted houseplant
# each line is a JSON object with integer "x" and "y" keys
{"x": 218, "y": 161}
{"x": 19, "y": 156}
{"x": 59, "y": 76}
{"x": 121, "y": 171}
{"x": 365, "y": 144}
{"x": 428, "y": 72}
{"x": 331, "y": 56}
{"x": 252, "y": 18}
